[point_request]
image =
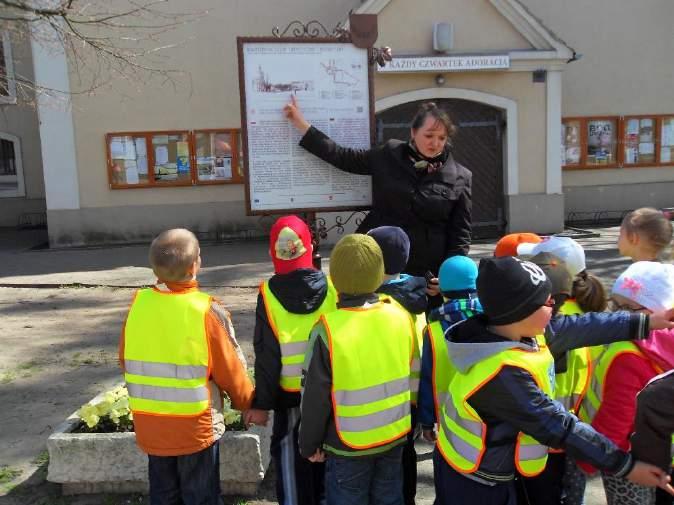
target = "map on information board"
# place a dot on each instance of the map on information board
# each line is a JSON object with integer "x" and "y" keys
{"x": 331, "y": 83}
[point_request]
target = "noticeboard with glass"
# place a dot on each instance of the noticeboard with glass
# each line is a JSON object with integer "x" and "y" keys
{"x": 176, "y": 158}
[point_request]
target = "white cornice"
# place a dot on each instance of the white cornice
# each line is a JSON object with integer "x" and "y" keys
{"x": 547, "y": 46}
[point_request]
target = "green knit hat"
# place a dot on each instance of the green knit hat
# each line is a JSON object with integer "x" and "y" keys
{"x": 357, "y": 265}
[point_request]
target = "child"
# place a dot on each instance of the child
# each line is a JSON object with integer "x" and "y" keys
{"x": 508, "y": 244}
{"x": 624, "y": 368}
{"x": 564, "y": 248}
{"x": 653, "y": 427}
{"x": 179, "y": 354}
{"x": 410, "y": 292}
{"x": 288, "y": 305}
{"x": 457, "y": 284}
{"x": 499, "y": 412}
{"x": 571, "y": 375}
{"x": 587, "y": 295}
{"x": 356, "y": 399}
{"x": 644, "y": 234}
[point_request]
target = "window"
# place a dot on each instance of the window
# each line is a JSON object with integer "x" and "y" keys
{"x": 175, "y": 158}
{"x": 7, "y": 82}
{"x": 617, "y": 142}
{"x": 11, "y": 173}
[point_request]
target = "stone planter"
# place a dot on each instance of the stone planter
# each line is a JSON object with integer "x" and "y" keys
{"x": 86, "y": 463}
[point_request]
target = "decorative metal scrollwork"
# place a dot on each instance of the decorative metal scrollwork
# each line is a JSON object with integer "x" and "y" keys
{"x": 380, "y": 55}
{"x": 311, "y": 30}
{"x": 320, "y": 229}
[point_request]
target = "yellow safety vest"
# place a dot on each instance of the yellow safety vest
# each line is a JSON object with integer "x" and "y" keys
{"x": 166, "y": 353}
{"x": 572, "y": 385}
{"x": 371, "y": 352}
{"x": 292, "y": 332}
{"x": 442, "y": 368}
{"x": 462, "y": 433}
{"x": 602, "y": 362}
{"x": 419, "y": 321}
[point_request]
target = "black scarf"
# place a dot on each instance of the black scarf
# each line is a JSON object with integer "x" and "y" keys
{"x": 425, "y": 164}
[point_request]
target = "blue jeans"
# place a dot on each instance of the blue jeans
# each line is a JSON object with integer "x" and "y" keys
{"x": 192, "y": 479}
{"x": 365, "y": 480}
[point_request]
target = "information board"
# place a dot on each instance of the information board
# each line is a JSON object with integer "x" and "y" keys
{"x": 332, "y": 83}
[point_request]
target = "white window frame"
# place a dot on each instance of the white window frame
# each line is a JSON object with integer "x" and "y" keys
{"x": 9, "y": 67}
{"x": 20, "y": 185}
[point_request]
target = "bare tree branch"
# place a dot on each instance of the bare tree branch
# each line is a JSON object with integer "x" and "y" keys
{"x": 104, "y": 41}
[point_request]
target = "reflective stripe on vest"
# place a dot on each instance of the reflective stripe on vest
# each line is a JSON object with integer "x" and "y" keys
{"x": 371, "y": 352}
{"x": 166, "y": 353}
{"x": 441, "y": 365}
{"x": 571, "y": 385}
{"x": 292, "y": 332}
{"x": 419, "y": 323}
{"x": 462, "y": 434}
{"x": 601, "y": 364}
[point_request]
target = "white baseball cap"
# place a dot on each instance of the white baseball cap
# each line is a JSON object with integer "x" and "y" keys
{"x": 648, "y": 283}
{"x": 565, "y": 248}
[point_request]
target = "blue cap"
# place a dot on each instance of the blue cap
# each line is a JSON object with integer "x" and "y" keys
{"x": 457, "y": 273}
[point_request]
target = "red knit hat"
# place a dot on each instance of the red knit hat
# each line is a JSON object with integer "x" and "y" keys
{"x": 290, "y": 245}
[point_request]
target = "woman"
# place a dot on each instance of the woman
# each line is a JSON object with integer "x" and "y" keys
{"x": 416, "y": 185}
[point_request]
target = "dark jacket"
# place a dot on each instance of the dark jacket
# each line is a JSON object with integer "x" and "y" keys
{"x": 654, "y": 423}
{"x": 562, "y": 334}
{"x": 434, "y": 208}
{"x": 511, "y": 401}
{"x": 317, "y": 429}
{"x": 300, "y": 292}
{"x": 408, "y": 291}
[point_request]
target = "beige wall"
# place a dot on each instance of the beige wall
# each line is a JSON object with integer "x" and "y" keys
{"x": 627, "y": 67}
{"x": 407, "y": 26}
{"x": 627, "y": 64}
{"x": 206, "y": 98}
{"x": 21, "y": 120}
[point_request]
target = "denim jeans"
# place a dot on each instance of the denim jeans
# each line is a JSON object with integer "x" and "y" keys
{"x": 365, "y": 480}
{"x": 192, "y": 479}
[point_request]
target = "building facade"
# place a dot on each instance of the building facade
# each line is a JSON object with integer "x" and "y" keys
{"x": 557, "y": 113}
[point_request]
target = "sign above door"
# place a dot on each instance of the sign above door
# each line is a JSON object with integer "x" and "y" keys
{"x": 458, "y": 63}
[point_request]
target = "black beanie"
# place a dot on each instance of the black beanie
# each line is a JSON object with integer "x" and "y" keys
{"x": 395, "y": 246}
{"x": 510, "y": 289}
